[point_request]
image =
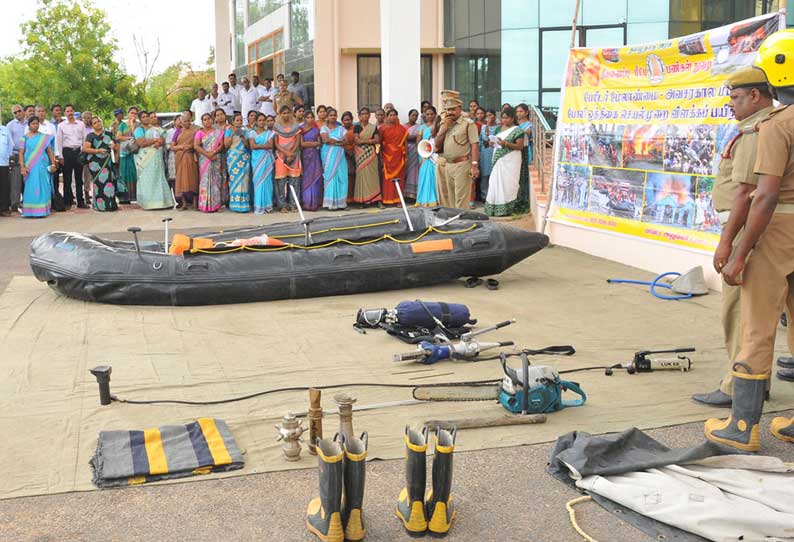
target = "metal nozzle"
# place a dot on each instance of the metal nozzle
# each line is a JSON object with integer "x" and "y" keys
{"x": 102, "y": 375}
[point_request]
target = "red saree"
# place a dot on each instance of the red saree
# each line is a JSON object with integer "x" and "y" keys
{"x": 393, "y": 150}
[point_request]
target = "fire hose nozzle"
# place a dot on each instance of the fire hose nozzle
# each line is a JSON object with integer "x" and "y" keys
{"x": 102, "y": 375}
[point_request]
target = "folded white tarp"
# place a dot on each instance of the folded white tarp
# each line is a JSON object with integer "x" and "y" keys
{"x": 729, "y": 502}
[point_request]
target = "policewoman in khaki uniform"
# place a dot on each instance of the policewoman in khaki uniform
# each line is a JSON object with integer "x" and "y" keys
{"x": 459, "y": 148}
{"x": 763, "y": 260}
{"x": 751, "y": 103}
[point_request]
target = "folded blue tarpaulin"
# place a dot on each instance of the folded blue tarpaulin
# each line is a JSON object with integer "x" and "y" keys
{"x": 171, "y": 451}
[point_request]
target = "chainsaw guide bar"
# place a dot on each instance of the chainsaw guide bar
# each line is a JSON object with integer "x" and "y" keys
{"x": 489, "y": 392}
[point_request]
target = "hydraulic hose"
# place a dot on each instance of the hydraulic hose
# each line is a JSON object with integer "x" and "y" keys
{"x": 654, "y": 284}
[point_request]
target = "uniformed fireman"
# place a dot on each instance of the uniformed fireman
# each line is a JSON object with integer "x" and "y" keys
{"x": 751, "y": 102}
{"x": 458, "y": 146}
{"x": 762, "y": 262}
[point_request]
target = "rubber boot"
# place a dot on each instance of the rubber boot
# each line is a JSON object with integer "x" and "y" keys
{"x": 411, "y": 504}
{"x": 355, "y": 471}
{"x": 440, "y": 509}
{"x": 740, "y": 430}
{"x": 323, "y": 515}
{"x": 783, "y": 428}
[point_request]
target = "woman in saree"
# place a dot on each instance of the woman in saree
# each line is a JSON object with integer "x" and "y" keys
{"x": 153, "y": 190}
{"x": 504, "y": 195}
{"x": 312, "y": 177}
{"x": 170, "y": 155}
{"x": 334, "y": 163}
{"x": 128, "y": 176}
{"x": 489, "y": 128}
{"x": 187, "y": 178}
{"x": 523, "y": 122}
{"x": 287, "y": 145}
{"x": 238, "y": 164}
{"x": 412, "y": 157}
{"x": 322, "y": 116}
{"x": 250, "y": 122}
{"x": 98, "y": 147}
{"x": 350, "y": 153}
{"x": 208, "y": 144}
{"x": 367, "y": 188}
{"x": 260, "y": 139}
{"x": 427, "y": 195}
{"x": 36, "y": 163}
{"x": 219, "y": 115}
{"x": 393, "y": 136}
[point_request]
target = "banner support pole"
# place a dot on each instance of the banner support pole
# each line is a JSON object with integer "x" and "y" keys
{"x": 576, "y": 17}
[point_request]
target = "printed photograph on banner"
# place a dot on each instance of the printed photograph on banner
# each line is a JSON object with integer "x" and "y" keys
{"x": 735, "y": 46}
{"x": 643, "y": 146}
{"x": 605, "y": 145}
{"x": 690, "y": 149}
{"x": 573, "y": 186}
{"x": 706, "y": 218}
{"x": 670, "y": 200}
{"x": 584, "y": 69}
{"x": 616, "y": 192}
{"x": 573, "y": 144}
{"x": 693, "y": 45}
{"x": 724, "y": 135}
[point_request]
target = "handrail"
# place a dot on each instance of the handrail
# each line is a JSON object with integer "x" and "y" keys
{"x": 541, "y": 117}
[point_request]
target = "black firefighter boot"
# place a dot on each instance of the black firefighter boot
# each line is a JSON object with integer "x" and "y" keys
{"x": 440, "y": 509}
{"x": 740, "y": 430}
{"x": 323, "y": 515}
{"x": 355, "y": 470}
{"x": 411, "y": 505}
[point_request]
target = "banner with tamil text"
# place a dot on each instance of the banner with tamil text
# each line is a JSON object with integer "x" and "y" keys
{"x": 641, "y": 130}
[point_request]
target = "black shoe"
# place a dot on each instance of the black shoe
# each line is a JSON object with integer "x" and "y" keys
{"x": 785, "y": 362}
{"x": 82, "y": 206}
{"x": 786, "y": 374}
{"x": 716, "y": 398}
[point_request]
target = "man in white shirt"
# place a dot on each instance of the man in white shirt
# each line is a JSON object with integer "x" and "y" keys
{"x": 214, "y": 97}
{"x": 199, "y": 106}
{"x": 234, "y": 88}
{"x": 249, "y": 98}
{"x": 69, "y": 138}
{"x": 266, "y": 93}
{"x": 226, "y": 100}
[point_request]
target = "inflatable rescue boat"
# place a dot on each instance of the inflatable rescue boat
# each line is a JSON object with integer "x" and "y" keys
{"x": 329, "y": 255}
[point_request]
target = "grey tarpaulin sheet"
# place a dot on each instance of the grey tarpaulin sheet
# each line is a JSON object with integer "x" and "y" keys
{"x": 50, "y": 414}
{"x": 707, "y": 489}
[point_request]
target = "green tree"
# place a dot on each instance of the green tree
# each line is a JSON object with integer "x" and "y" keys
{"x": 175, "y": 87}
{"x": 68, "y": 56}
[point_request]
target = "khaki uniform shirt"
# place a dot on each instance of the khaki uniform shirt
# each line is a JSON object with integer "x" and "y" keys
{"x": 776, "y": 150}
{"x": 459, "y": 139}
{"x": 280, "y": 99}
{"x": 738, "y": 166}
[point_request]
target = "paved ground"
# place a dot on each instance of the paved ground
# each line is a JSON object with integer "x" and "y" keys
{"x": 502, "y": 494}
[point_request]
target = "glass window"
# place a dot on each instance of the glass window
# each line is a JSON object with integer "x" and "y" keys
{"x": 426, "y": 69}
{"x": 599, "y": 12}
{"x": 648, "y": 12}
{"x": 279, "y": 41}
{"x": 554, "y": 57}
{"x": 461, "y": 18}
{"x": 683, "y": 29}
{"x": 265, "y": 47}
{"x": 521, "y": 69}
{"x": 449, "y": 22}
{"x": 299, "y": 22}
{"x": 685, "y": 10}
{"x": 476, "y": 17}
{"x": 603, "y": 37}
{"x": 559, "y": 12}
{"x": 519, "y": 13}
{"x": 239, "y": 29}
{"x": 550, "y": 99}
{"x": 646, "y": 32}
{"x": 252, "y": 53}
{"x": 369, "y": 81}
{"x": 258, "y": 9}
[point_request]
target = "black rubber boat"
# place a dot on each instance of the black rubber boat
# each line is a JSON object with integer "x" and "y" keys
{"x": 346, "y": 254}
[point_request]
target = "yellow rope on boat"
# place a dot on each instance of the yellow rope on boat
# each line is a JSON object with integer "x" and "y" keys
{"x": 341, "y": 228}
{"x": 385, "y": 237}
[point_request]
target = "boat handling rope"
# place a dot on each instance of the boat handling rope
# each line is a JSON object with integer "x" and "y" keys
{"x": 572, "y": 516}
{"x": 339, "y": 241}
{"x": 339, "y": 228}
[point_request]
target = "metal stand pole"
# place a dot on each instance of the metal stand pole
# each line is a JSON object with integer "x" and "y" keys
{"x": 166, "y": 220}
{"x": 402, "y": 202}
{"x": 303, "y": 217}
{"x": 134, "y": 231}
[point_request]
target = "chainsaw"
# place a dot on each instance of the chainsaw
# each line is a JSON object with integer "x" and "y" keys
{"x": 535, "y": 389}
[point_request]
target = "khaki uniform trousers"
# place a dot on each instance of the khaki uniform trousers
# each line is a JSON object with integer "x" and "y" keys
{"x": 454, "y": 184}
{"x": 768, "y": 287}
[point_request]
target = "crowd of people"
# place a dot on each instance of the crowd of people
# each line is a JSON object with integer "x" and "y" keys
{"x": 249, "y": 147}
{"x": 690, "y": 150}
